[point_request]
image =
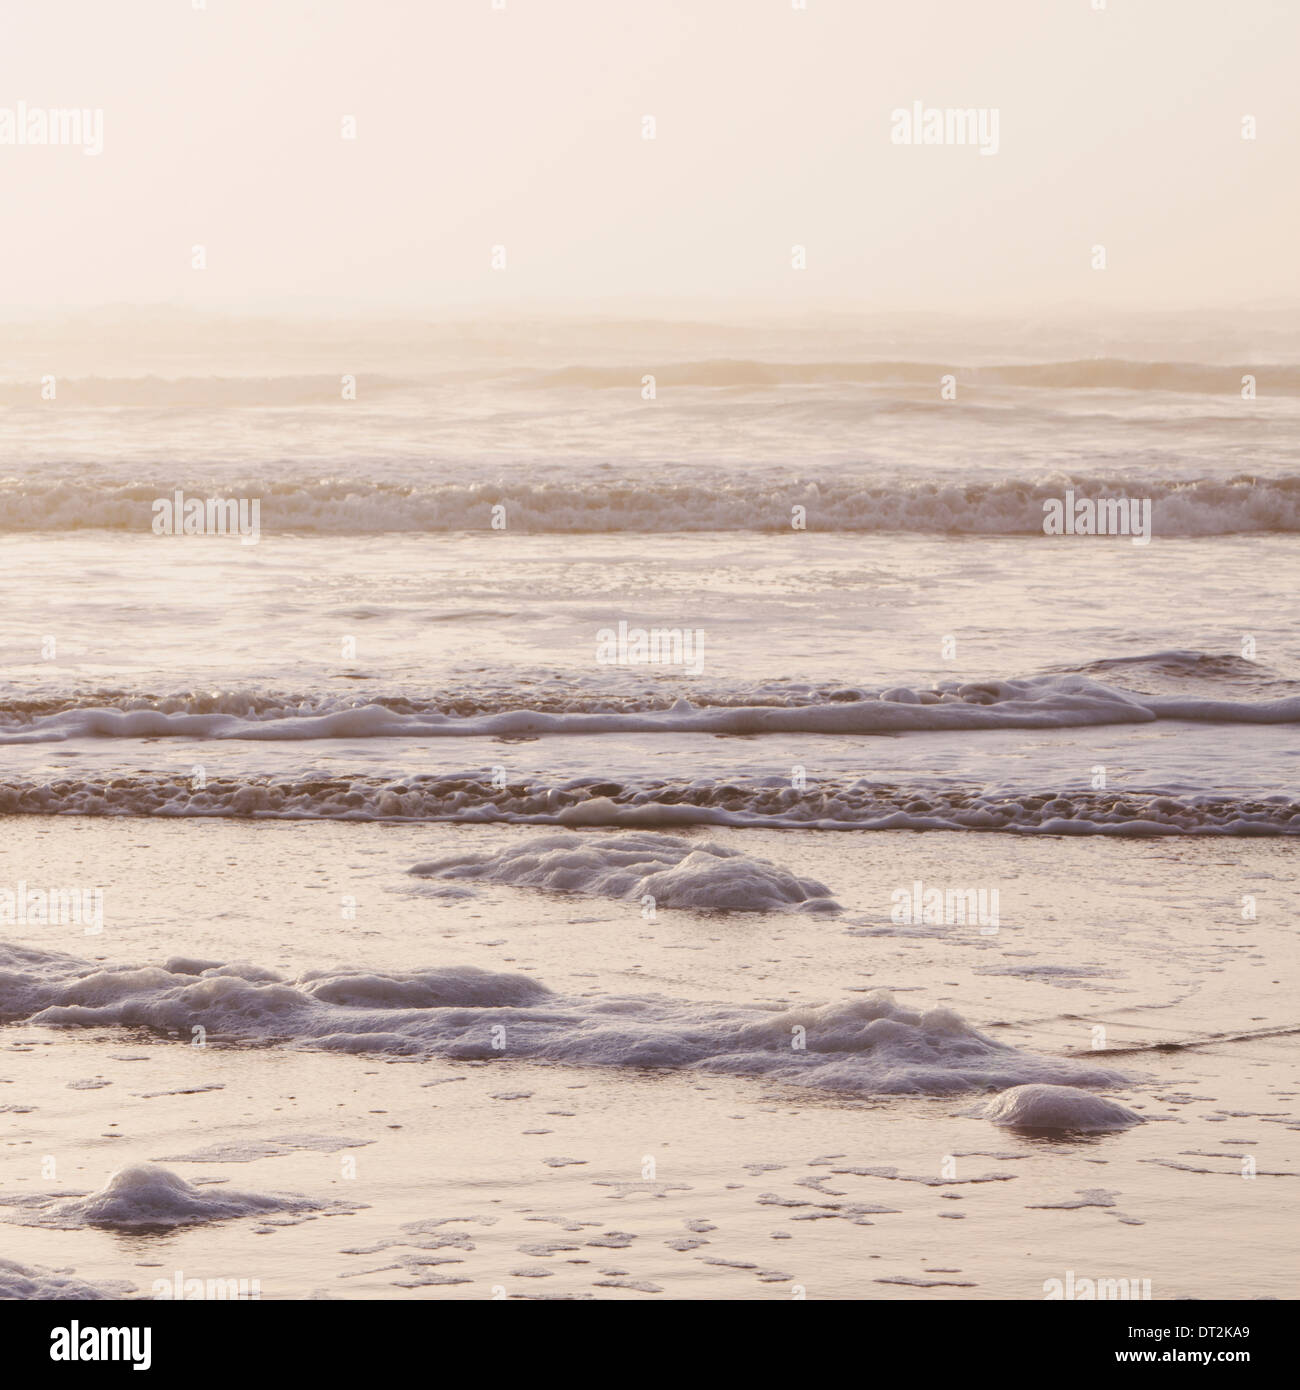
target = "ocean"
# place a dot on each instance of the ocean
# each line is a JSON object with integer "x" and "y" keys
{"x": 616, "y": 809}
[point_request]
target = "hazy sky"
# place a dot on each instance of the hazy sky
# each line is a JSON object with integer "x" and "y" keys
{"x": 522, "y": 127}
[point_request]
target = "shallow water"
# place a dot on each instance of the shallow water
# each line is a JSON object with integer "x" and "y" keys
{"x": 750, "y": 1017}
{"x": 1155, "y": 954}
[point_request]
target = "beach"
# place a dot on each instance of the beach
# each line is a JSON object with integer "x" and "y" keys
{"x": 755, "y": 1190}
{"x": 645, "y": 651}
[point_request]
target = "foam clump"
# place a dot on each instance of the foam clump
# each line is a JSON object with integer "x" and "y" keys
{"x": 186, "y": 965}
{"x": 866, "y": 1045}
{"x": 674, "y": 872}
{"x": 1059, "y": 1108}
{"x": 22, "y": 1282}
{"x": 459, "y": 986}
{"x": 146, "y": 1194}
{"x": 874, "y": 1044}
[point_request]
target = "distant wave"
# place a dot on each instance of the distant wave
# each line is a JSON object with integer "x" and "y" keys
{"x": 193, "y": 392}
{"x": 591, "y": 803}
{"x": 1092, "y": 373}
{"x": 329, "y": 506}
{"x": 323, "y": 389}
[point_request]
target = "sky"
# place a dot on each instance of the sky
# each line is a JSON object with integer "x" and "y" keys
{"x": 522, "y": 128}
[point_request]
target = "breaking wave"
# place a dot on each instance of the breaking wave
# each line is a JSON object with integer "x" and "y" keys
{"x": 335, "y": 506}
{"x": 1058, "y": 701}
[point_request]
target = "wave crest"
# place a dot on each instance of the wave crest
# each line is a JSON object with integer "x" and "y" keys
{"x": 329, "y": 506}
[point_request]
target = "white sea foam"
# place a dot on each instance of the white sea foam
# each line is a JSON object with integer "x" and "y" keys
{"x": 672, "y": 872}
{"x": 145, "y": 1194}
{"x": 19, "y": 1281}
{"x": 474, "y": 797}
{"x": 865, "y": 1045}
{"x": 1038, "y": 1106}
{"x": 1051, "y": 701}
